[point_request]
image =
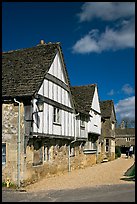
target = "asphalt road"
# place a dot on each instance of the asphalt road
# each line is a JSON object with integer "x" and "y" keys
{"x": 104, "y": 193}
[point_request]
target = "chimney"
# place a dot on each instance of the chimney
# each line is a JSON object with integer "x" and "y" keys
{"x": 42, "y": 42}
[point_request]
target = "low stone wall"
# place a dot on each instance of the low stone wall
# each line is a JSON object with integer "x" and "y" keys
{"x": 59, "y": 162}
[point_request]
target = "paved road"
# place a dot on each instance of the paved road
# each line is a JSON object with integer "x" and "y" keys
{"x": 104, "y": 193}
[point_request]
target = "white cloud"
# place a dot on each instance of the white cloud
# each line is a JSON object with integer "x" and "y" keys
{"x": 126, "y": 108}
{"x": 111, "y": 93}
{"x": 111, "y": 39}
{"x": 127, "y": 89}
{"x": 107, "y": 11}
{"x": 121, "y": 36}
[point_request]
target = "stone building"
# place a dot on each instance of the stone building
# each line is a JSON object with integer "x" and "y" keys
{"x": 107, "y": 138}
{"x": 37, "y": 142}
{"x": 124, "y": 137}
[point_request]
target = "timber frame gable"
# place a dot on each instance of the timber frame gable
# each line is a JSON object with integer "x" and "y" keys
{"x": 48, "y": 138}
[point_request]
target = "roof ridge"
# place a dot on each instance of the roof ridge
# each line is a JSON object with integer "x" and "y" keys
{"x": 85, "y": 85}
{"x": 27, "y": 48}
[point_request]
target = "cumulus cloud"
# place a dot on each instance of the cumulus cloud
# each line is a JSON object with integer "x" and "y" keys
{"x": 107, "y": 11}
{"x": 127, "y": 89}
{"x": 126, "y": 108}
{"x": 111, "y": 39}
{"x": 121, "y": 36}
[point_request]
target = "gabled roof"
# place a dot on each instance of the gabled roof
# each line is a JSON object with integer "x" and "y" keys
{"x": 119, "y": 132}
{"x": 83, "y": 96}
{"x": 106, "y": 108}
{"x": 23, "y": 70}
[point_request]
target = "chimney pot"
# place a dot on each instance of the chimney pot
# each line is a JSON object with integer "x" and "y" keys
{"x": 42, "y": 42}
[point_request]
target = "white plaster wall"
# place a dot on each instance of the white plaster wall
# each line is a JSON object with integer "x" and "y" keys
{"x": 94, "y": 125}
{"x": 95, "y": 101}
{"x": 60, "y": 95}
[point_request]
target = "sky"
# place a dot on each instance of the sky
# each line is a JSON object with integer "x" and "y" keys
{"x": 97, "y": 39}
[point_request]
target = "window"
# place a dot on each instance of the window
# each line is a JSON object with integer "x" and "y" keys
{"x": 46, "y": 153}
{"x": 128, "y": 139}
{"x": 107, "y": 145}
{"x": 113, "y": 125}
{"x": 56, "y": 115}
{"x": 3, "y": 153}
{"x": 82, "y": 121}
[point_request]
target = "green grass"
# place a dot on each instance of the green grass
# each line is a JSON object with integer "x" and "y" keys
{"x": 131, "y": 171}
{"x": 11, "y": 185}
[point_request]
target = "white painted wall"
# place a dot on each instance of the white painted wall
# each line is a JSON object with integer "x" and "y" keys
{"x": 60, "y": 95}
{"x": 112, "y": 145}
{"x": 94, "y": 125}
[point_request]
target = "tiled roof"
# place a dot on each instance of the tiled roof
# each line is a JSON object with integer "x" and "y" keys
{"x": 119, "y": 132}
{"x": 106, "y": 108}
{"x": 83, "y": 96}
{"x": 23, "y": 70}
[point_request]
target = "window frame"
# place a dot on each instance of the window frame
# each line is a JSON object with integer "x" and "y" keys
{"x": 128, "y": 139}
{"x": 82, "y": 121}
{"x": 56, "y": 115}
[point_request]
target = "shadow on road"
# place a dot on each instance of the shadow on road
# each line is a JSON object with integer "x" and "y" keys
{"x": 132, "y": 178}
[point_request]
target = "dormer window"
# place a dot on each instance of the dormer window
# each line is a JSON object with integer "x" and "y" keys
{"x": 82, "y": 121}
{"x": 56, "y": 115}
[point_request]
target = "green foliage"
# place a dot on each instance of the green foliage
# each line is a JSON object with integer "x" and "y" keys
{"x": 11, "y": 185}
{"x": 131, "y": 171}
{"x": 4, "y": 184}
{"x": 117, "y": 152}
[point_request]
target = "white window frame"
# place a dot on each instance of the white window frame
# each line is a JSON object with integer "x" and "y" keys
{"x": 128, "y": 139}
{"x": 4, "y": 154}
{"x": 56, "y": 115}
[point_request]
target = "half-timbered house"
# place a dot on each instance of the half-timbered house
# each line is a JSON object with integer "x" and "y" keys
{"x": 89, "y": 120}
{"x": 37, "y": 142}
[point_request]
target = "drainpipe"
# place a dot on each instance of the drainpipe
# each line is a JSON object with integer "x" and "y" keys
{"x": 69, "y": 169}
{"x": 18, "y": 146}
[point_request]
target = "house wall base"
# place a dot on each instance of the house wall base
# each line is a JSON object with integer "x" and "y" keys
{"x": 59, "y": 160}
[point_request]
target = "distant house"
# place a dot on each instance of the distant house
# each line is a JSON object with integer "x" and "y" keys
{"x": 37, "y": 142}
{"x": 125, "y": 137}
{"x": 87, "y": 105}
{"x": 107, "y": 138}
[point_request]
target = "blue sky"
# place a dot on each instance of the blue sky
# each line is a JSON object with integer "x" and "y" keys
{"x": 97, "y": 39}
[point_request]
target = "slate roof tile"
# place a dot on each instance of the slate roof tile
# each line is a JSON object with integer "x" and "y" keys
{"x": 126, "y": 131}
{"x": 23, "y": 70}
{"x": 83, "y": 96}
{"x": 106, "y": 108}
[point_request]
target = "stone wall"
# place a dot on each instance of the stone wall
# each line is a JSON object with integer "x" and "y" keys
{"x": 9, "y": 136}
{"x": 59, "y": 162}
{"x": 121, "y": 141}
{"x": 107, "y": 132}
{"x": 31, "y": 149}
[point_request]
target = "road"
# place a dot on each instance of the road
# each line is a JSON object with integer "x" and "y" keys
{"x": 103, "y": 193}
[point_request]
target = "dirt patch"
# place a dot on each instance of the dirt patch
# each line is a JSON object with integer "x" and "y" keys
{"x": 106, "y": 173}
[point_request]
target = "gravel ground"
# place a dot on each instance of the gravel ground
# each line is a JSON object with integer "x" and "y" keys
{"x": 100, "y": 174}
